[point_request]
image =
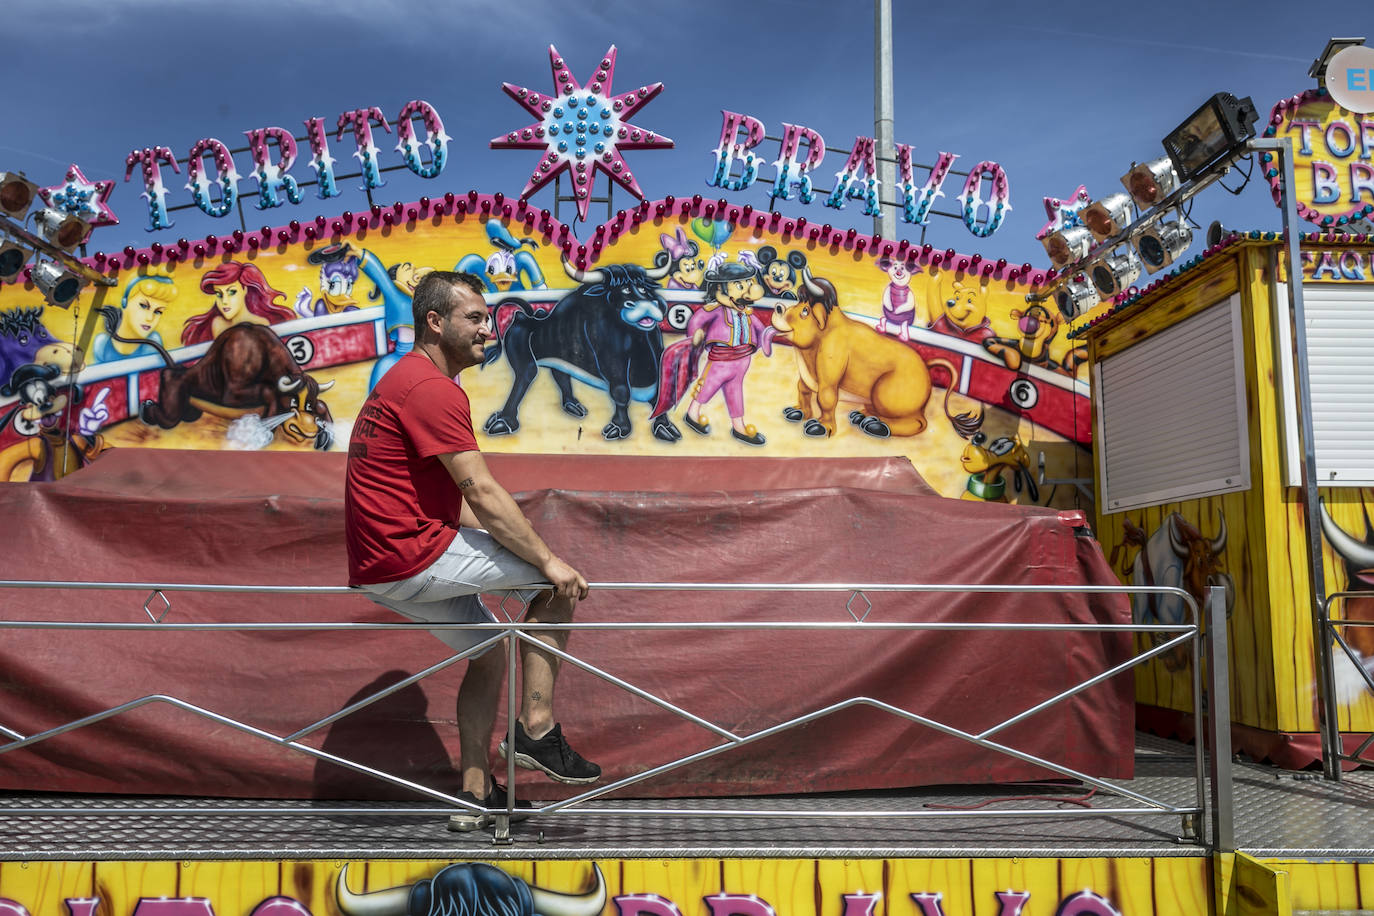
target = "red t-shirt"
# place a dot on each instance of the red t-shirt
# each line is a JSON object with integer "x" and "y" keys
{"x": 400, "y": 503}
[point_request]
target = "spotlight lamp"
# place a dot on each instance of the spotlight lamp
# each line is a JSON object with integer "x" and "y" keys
{"x": 1161, "y": 245}
{"x": 57, "y": 284}
{"x": 1220, "y": 125}
{"x": 16, "y": 194}
{"x": 64, "y": 230}
{"x": 1108, "y": 216}
{"x": 1064, "y": 246}
{"x": 1075, "y": 297}
{"x": 13, "y": 257}
{"x": 1115, "y": 273}
{"x": 1151, "y": 182}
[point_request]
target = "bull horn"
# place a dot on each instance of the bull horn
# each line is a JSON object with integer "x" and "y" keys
{"x": 658, "y": 273}
{"x": 286, "y": 384}
{"x": 1356, "y": 552}
{"x": 1218, "y": 543}
{"x": 812, "y": 288}
{"x": 390, "y": 902}
{"x": 327, "y": 385}
{"x": 1176, "y": 542}
{"x": 552, "y": 903}
{"x": 582, "y": 276}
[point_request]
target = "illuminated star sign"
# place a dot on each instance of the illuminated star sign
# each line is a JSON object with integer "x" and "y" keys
{"x": 88, "y": 200}
{"x": 582, "y": 130}
{"x": 1065, "y": 213}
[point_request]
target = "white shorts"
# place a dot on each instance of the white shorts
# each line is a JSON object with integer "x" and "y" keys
{"x": 448, "y": 590}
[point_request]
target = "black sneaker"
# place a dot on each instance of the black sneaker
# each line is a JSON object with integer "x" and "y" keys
{"x": 552, "y": 754}
{"x": 476, "y": 820}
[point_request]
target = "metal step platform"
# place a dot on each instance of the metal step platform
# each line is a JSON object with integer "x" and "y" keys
{"x": 1276, "y": 813}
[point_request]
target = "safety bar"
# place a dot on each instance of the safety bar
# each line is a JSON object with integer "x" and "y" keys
{"x": 1214, "y": 767}
{"x": 1333, "y": 748}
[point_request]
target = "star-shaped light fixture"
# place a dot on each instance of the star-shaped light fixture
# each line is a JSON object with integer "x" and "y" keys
{"x": 582, "y": 129}
{"x": 84, "y": 199}
{"x": 1064, "y": 213}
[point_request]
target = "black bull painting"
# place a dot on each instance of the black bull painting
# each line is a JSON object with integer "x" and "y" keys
{"x": 605, "y": 333}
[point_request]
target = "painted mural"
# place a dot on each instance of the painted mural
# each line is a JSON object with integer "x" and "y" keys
{"x": 683, "y": 334}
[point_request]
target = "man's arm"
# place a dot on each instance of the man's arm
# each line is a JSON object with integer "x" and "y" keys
{"x": 498, "y": 513}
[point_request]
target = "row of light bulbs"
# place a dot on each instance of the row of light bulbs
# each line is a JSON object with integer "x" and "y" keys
{"x": 1104, "y": 278}
{"x": 63, "y": 231}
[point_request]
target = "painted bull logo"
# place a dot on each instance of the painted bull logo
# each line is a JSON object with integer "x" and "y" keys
{"x": 473, "y": 889}
{"x": 1176, "y": 555}
{"x": 1358, "y": 556}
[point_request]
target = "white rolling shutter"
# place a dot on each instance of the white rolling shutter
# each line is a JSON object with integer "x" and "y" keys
{"x": 1340, "y": 362}
{"x": 1171, "y": 413}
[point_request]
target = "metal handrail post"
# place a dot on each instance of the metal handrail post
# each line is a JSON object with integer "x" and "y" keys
{"x": 1326, "y": 679}
{"x": 1219, "y": 722}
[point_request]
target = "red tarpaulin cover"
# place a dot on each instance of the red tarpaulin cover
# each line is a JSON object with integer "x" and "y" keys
{"x": 275, "y": 518}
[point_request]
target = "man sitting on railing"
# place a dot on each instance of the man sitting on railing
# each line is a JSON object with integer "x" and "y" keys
{"x": 418, "y": 496}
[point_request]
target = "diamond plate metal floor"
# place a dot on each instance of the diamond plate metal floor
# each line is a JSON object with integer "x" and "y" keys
{"x": 1277, "y": 813}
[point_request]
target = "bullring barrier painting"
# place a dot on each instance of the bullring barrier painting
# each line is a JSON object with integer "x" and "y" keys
{"x": 828, "y": 350}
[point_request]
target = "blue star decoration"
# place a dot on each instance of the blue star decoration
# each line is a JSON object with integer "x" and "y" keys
{"x": 582, "y": 130}
{"x": 1065, "y": 213}
{"x": 77, "y": 195}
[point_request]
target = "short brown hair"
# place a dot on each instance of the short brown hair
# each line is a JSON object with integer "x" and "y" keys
{"x": 434, "y": 293}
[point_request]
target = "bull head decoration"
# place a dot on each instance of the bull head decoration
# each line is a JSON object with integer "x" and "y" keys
{"x": 474, "y": 888}
{"x": 1355, "y": 552}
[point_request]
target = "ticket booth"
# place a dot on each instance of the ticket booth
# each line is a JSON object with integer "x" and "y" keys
{"x": 1197, "y": 448}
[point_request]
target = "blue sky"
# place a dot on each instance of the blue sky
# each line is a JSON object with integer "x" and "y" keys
{"x": 1060, "y": 94}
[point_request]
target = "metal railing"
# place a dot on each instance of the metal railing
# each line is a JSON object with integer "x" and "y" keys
{"x": 1333, "y": 748}
{"x": 1213, "y": 768}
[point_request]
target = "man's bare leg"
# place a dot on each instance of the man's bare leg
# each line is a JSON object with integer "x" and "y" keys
{"x": 477, "y": 699}
{"x": 540, "y": 669}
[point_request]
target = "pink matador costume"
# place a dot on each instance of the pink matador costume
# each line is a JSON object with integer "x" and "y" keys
{"x": 731, "y": 339}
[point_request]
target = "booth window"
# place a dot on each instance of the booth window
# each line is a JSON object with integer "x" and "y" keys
{"x": 1171, "y": 413}
{"x": 1340, "y": 323}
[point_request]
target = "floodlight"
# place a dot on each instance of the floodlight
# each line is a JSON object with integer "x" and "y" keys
{"x": 1108, "y": 216}
{"x": 1115, "y": 273}
{"x": 13, "y": 257}
{"x": 1333, "y": 47}
{"x": 16, "y": 194}
{"x": 1151, "y": 182}
{"x": 1360, "y": 225}
{"x": 1075, "y": 297}
{"x": 1064, "y": 246}
{"x": 65, "y": 230}
{"x": 1161, "y": 245}
{"x": 1221, "y": 124}
{"x": 57, "y": 284}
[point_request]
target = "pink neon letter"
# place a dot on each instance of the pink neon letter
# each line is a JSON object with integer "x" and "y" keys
{"x": 280, "y": 906}
{"x": 788, "y": 170}
{"x": 1012, "y": 902}
{"x": 182, "y": 906}
{"x": 645, "y": 905}
{"x": 916, "y": 208}
{"x": 858, "y": 179}
{"x": 321, "y": 161}
{"x": 273, "y": 177}
{"x": 82, "y": 906}
{"x": 362, "y": 120}
{"x": 731, "y": 148}
{"x": 153, "y": 191}
{"x": 930, "y": 904}
{"x": 739, "y": 905}
{"x": 1086, "y": 903}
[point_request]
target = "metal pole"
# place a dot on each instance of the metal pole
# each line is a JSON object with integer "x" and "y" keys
{"x": 1283, "y": 147}
{"x": 885, "y": 223}
{"x": 1219, "y": 722}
